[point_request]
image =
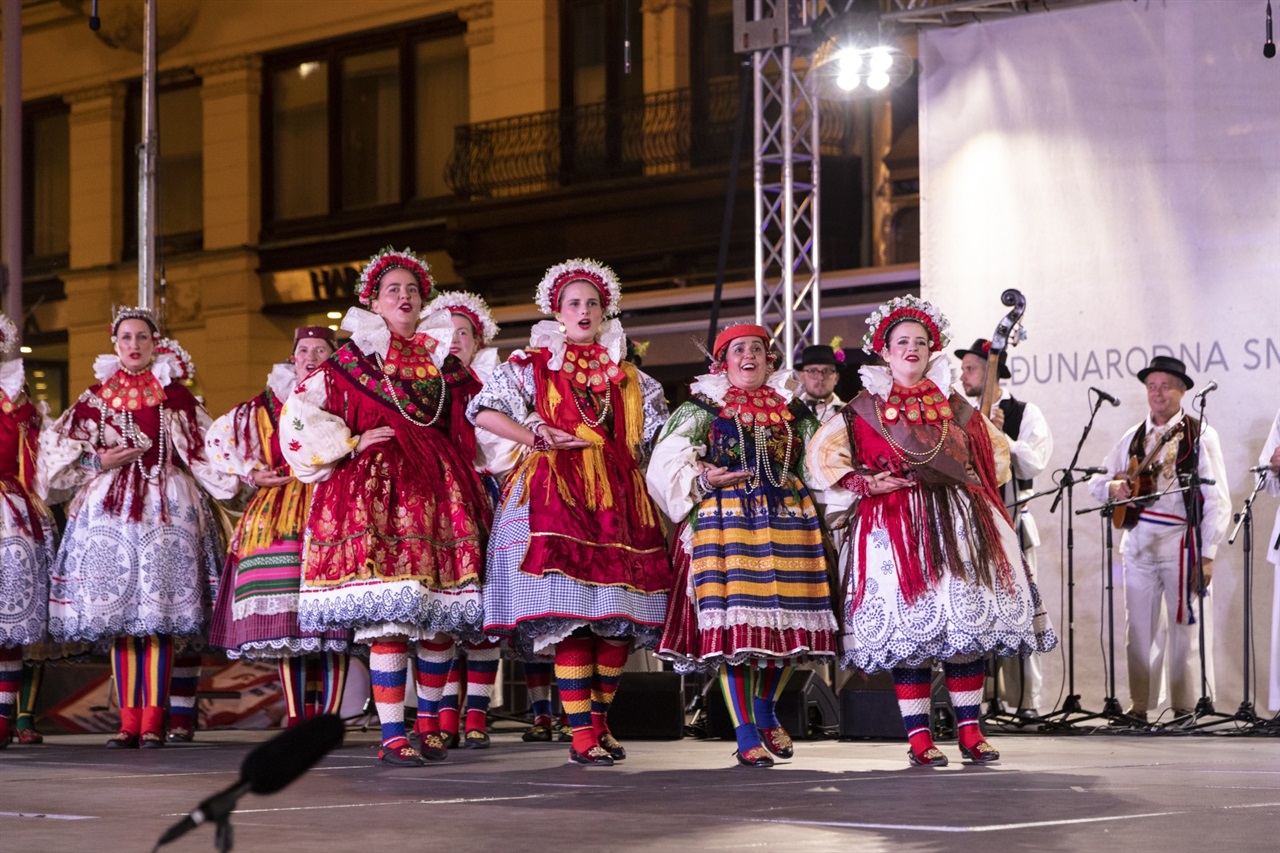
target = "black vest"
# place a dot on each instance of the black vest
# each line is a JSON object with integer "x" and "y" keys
{"x": 1186, "y": 460}
{"x": 1013, "y": 411}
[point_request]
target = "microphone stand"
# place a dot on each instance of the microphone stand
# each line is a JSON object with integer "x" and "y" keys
{"x": 1195, "y": 540}
{"x": 1071, "y": 705}
{"x": 1244, "y": 521}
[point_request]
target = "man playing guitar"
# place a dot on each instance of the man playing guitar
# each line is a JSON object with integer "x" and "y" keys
{"x": 1158, "y": 553}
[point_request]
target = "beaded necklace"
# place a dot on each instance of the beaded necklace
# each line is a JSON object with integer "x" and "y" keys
{"x": 126, "y": 404}
{"x": 758, "y": 410}
{"x": 410, "y": 360}
{"x": 922, "y": 457}
{"x": 403, "y": 407}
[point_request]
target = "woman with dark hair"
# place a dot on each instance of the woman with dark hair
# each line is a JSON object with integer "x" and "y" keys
{"x": 751, "y": 596}
{"x": 395, "y": 538}
{"x": 140, "y": 556}
{"x": 577, "y": 564}
{"x": 932, "y": 566}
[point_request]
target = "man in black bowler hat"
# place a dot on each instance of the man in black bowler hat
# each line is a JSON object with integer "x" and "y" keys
{"x": 1161, "y": 583}
{"x": 1030, "y": 446}
{"x": 819, "y": 368}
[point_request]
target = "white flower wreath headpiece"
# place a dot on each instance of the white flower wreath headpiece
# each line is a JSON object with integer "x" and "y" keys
{"x": 470, "y": 306}
{"x": 389, "y": 259}
{"x": 8, "y": 335}
{"x": 906, "y": 308}
{"x": 186, "y": 368}
{"x": 579, "y": 269}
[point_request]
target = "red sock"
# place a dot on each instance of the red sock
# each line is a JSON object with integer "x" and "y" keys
{"x": 449, "y": 719}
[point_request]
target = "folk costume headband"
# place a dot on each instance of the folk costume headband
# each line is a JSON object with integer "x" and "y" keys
{"x": 132, "y": 313}
{"x": 321, "y": 333}
{"x": 472, "y": 307}
{"x": 8, "y": 336}
{"x": 386, "y": 261}
{"x": 901, "y": 309}
{"x": 740, "y": 330}
{"x": 595, "y": 273}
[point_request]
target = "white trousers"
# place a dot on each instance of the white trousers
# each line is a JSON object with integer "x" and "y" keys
{"x": 1018, "y": 679}
{"x": 1156, "y": 644}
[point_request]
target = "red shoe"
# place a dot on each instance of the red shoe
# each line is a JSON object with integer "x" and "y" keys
{"x": 756, "y": 756}
{"x": 28, "y": 737}
{"x": 980, "y": 753}
{"x": 400, "y": 756}
{"x": 931, "y": 757}
{"x": 777, "y": 741}
{"x": 593, "y": 757}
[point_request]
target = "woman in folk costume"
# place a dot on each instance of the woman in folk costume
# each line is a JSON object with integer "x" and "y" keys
{"x": 27, "y": 529}
{"x": 256, "y": 616}
{"x": 473, "y": 664}
{"x": 933, "y": 568}
{"x": 395, "y": 539}
{"x": 140, "y": 555}
{"x": 751, "y": 595}
{"x": 577, "y": 562}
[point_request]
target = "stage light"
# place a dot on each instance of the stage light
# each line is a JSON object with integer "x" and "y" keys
{"x": 25, "y": 350}
{"x": 334, "y": 315}
{"x": 878, "y": 80}
{"x": 849, "y": 61}
{"x": 880, "y": 60}
{"x": 848, "y": 81}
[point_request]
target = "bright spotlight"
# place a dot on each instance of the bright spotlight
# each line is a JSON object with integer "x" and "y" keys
{"x": 850, "y": 60}
{"x": 880, "y": 59}
{"x": 877, "y": 80}
{"x": 848, "y": 81}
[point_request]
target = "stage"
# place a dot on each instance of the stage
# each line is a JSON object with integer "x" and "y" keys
{"x": 1051, "y": 792}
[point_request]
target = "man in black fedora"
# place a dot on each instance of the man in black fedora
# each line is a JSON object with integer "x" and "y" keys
{"x": 1158, "y": 554}
{"x": 819, "y": 368}
{"x": 1030, "y": 446}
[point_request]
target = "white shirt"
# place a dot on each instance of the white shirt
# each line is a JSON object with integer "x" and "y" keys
{"x": 1030, "y": 456}
{"x": 826, "y": 409}
{"x": 1272, "y": 488}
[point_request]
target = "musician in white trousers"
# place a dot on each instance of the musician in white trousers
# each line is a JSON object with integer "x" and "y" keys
{"x": 1030, "y": 445}
{"x": 1161, "y": 589}
{"x": 1270, "y": 457}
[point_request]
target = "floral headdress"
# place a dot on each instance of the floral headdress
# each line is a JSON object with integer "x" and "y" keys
{"x": 470, "y": 306}
{"x": 389, "y": 259}
{"x": 133, "y": 313}
{"x": 579, "y": 269}
{"x": 906, "y": 308}
{"x": 8, "y": 335}
{"x": 185, "y": 368}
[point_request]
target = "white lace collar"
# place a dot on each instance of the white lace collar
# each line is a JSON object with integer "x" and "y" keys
{"x": 12, "y": 377}
{"x": 281, "y": 380}
{"x": 547, "y": 334}
{"x": 372, "y": 334}
{"x": 163, "y": 367}
{"x": 943, "y": 371}
{"x": 716, "y": 385}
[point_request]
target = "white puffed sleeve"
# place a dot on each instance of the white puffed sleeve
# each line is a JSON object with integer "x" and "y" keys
{"x": 828, "y": 459}
{"x": 232, "y": 452}
{"x": 65, "y": 463}
{"x": 313, "y": 439}
{"x": 673, "y": 468}
{"x": 188, "y": 443}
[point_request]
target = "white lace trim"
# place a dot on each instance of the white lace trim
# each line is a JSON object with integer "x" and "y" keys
{"x": 372, "y": 334}
{"x": 163, "y": 367}
{"x": 281, "y": 380}
{"x": 12, "y": 376}
{"x": 776, "y": 620}
{"x": 943, "y": 371}
{"x": 547, "y": 334}
{"x": 716, "y": 385}
{"x": 264, "y": 605}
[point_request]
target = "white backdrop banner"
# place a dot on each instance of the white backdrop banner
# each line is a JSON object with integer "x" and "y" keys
{"x": 1120, "y": 164}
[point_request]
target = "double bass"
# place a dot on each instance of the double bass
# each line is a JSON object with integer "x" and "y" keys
{"x": 1009, "y": 332}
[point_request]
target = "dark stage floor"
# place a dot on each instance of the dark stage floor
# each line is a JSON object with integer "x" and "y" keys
{"x": 1052, "y": 792}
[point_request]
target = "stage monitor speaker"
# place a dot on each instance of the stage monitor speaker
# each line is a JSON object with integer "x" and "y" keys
{"x": 807, "y": 708}
{"x": 648, "y": 706}
{"x": 869, "y": 708}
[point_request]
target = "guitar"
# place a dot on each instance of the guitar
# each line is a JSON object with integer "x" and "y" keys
{"x": 1009, "y": 332}
{"x": 1141, "y": 485}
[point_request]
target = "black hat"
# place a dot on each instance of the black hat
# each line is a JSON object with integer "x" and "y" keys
{"x": 1166, "y": 364}
{"x": 982, "y": 349}
{"x": 820, "y": 354}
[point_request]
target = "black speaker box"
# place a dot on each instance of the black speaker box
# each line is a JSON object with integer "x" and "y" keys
{"x": 869, "y": 708}
{"x": 807, "y": 708}
{"x": 648, "y": 706}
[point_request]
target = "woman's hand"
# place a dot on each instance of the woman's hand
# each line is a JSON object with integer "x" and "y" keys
{"x": 266, "y": 477}
{"x": 884, "y": 482}
{"x": 721, "y": 477}
{"x": 377, "y": 435}
{"x": 558, "y": 439}
{"x": 118, "y": 457}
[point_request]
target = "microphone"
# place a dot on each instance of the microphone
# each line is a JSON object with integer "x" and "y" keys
{"x": 1212, "y": 386}
{"x": 1089, "y": 472}
{"x": 1259, "y": 469}
{"x": 95, "y": 23}
{"x": 267, "y": 769}
{"x": 1268, "y": 49}
{"x": 1105, "y": 396}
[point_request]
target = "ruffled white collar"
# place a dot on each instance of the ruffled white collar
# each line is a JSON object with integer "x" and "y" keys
{"x": 484, "y": 363}
{"x": 547, "y": 334}
{"x": 716, "y": 385}
{"x": 12, "y": 376}
{"x": 281, "y": 380}
{"x": 943, "y": 371}
{"x": 164, "y": 367}
{"x": 372, "y": 334}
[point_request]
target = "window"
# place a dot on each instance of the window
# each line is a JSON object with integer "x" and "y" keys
{"x": 179, "y": 167}
{"x": 46, "y": 152}
{"x": 601, "y": 99}
{"x": 362, "y": 127}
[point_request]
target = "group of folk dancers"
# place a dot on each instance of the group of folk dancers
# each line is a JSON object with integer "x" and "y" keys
{"x": 410, "y": 495}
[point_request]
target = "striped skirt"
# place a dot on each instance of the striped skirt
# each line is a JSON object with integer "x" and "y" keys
{"x": 751, "y": 582}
